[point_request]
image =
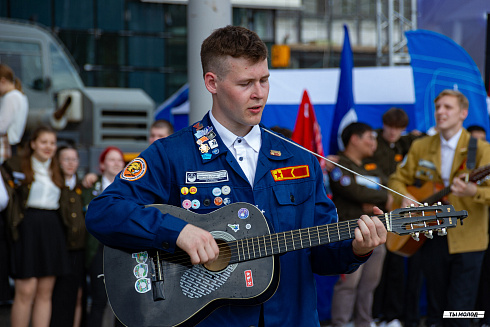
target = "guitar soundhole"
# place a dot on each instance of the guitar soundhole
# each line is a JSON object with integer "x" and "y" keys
{"x": 223, "y": 259}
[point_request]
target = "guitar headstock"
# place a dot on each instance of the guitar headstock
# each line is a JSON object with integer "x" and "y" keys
{"x": 425, "y": 219}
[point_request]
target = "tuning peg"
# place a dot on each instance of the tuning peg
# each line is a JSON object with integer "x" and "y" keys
{"x": 439, "y": 203}
{"x": 442, "y": 232}
{"x": 426, "y": 204}
{"x": 415, "y": 236}
{"x": 428, "y": 234}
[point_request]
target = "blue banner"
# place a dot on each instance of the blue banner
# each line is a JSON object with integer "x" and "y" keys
{"x": 439, "y": 63}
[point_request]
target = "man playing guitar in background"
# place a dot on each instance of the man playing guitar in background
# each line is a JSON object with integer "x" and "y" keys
{"x": 451, "y": 263}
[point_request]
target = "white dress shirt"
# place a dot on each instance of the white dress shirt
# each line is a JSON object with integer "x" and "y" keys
{"x": 13, "y": 114}
{"x": 448, "y": 147}
{"x": 244, "y": 149}
{"x": 43, "y": 194}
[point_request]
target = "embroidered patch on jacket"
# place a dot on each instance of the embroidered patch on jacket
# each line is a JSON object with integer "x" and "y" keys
{"x": 288, "y": 173}
{"x": 398, "y": 157}
{"x": 134, "y": 170}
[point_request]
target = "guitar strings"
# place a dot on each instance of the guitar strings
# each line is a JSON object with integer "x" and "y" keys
{"x": 297, "y": 237}
{"x": 288, "y": 240}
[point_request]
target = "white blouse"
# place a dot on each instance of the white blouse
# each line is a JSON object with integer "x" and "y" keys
{"x": 44, "y": 194}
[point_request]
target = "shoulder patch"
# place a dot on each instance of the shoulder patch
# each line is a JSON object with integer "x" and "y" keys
{"x": 134, "y": 170}
{"x": 336, "y": 174}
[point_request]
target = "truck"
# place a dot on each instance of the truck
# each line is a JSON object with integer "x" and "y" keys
{"x": 91, "y": 118}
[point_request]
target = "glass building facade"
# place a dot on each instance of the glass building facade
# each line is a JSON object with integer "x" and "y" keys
{"x": 136, "y": 44}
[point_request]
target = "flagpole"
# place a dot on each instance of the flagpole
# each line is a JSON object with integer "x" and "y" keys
{"x": 339, "y": 165}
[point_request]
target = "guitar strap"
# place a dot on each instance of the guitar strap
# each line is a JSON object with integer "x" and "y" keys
{"x": 471, "y": 158}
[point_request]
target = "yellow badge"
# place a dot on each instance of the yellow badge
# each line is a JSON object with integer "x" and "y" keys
{"x": 275, "y": 153}
{"x": 398, "y": 157}
{"x": 193, "y": 190}
{"x": 184, "y": 190}
{"x": 370, "y": 166}
{"x": 134, "y": 170}
{"x": 288, "y": 173}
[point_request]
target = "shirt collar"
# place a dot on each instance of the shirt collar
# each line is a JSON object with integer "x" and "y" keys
{"x": 452, "y": 143}
{"x": 253, "y": 138}
{"x": 105, "y": 182}
{"x": 39, "y": 164}
{"x": 71, "y": 182}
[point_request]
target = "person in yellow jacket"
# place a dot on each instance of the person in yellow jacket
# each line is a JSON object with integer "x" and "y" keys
{"x": 451, "y": 263}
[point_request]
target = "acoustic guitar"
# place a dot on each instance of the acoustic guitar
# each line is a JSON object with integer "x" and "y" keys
{"x": 429, "y": 193}
{"x": 157, "y": 288}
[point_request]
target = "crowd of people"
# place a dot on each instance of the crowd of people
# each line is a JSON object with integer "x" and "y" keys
{"x": 52, "y": 240}
{"x": 45, "y": 248}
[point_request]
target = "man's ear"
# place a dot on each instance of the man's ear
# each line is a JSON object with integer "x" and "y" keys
{"x": 210, "y": 80}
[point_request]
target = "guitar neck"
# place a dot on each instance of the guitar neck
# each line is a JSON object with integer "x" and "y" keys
{"x": 475, "y": 176}
{"x": 267, "y": 245}
{"x": 437, "y": 196}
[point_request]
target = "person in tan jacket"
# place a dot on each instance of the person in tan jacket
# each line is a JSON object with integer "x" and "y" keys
{"x": 451, "y": 263}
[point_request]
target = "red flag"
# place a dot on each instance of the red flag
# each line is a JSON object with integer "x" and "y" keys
{"x": 307, "y": 131}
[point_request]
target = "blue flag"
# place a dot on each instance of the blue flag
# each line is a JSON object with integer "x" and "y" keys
{"x": 439, "y": 63}
{"x": 344, "y": 109}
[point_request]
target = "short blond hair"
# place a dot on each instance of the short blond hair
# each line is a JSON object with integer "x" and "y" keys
{"x": 462, "y": 99}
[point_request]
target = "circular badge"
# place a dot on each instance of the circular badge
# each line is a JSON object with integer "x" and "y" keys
{"x": 345, "y": 180}
{"x": 336, "y": 174}
{"x": 142, "y": 285}
{"x": 216, "y": 191}
{"x": 134, "y": 170}
{"x": 243, "y": 213}
{"x": 248, "y": 226}
{"x": 206, "y": 202}
{"x": 226, "y": 201}
{"x": 218, "y": 201}
{"x": 195, "y": 204}
{"x": 186, "y": 204}
{"x": 193, "y": 190}
{"x": 226, "y": 190}
{"x": 184, "y": 190}
{"x": 140, "y": 270}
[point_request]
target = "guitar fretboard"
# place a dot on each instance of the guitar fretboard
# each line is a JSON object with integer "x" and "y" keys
{"x": 267, "y": 245}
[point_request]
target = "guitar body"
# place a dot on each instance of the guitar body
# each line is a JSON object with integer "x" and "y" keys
{"x": 405, "y": 245}
{"x": 155, "y": 288}
{"x": 191, "y": 292}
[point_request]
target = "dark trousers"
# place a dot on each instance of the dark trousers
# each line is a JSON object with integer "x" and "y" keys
{"x": 389, "y": 295}
{"x": 452, "y": 281}
{"x": 414, "y": 281}
{"x": 398, "y": 293}
{"x": 65, "y": 291}
{"x": 483, "y": 302}
{"x": 5, "y": 290}
{"x": 96, "y": 290}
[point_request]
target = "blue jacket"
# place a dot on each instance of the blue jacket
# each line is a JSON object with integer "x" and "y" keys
{"x": 117, "y": 217}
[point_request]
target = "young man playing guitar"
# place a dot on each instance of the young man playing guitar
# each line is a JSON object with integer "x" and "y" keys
{"x": 451, "y": 263}
{"x": 223, "y": 159}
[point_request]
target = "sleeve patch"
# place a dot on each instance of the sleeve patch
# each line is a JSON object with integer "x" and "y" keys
{"x": 134, "y": 170}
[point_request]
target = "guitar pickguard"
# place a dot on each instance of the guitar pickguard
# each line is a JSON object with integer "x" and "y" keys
{"x": 198, "y": 281}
